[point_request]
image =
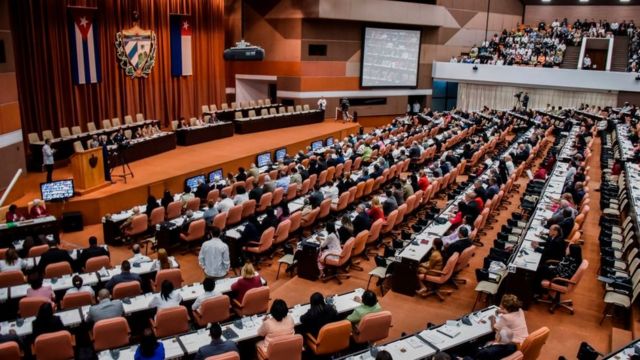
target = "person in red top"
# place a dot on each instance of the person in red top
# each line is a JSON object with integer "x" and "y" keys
{"x": 248, "y": 281}
{"x": 38, "y": 210}
{"x": 423, "y": 181}
{"x": 541, "y": 174}
{"x": 457, "y": 219}
{"x": 13, "y": 215}
{"x": 375, "y": 212}
{"x": 478, "y": 200}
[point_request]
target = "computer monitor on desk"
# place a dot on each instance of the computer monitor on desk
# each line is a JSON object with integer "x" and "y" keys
{"x": 215, "y": 176}
{"x": 329, "y": 141}
{"x": 193, "y": 182}
{"x": 57, "y": 190}
{"x": 280, "y": 154}
{"x": 316, "y": 145}
{"x": 263, "y": 159}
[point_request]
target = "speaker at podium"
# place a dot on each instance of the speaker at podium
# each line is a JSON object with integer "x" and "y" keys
{"x": 87, "y": 167}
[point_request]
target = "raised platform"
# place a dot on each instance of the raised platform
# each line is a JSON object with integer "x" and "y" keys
{"x": 169, "y": 170}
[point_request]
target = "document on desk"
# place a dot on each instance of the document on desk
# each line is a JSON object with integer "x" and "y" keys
{"x": 172, "y": 348}
{"x": 19, "y": 291}
{"x": 433, "y": 337}
{"x": 4, "y": 294}
{"x": 450, "y": 331}
{"x": 195, "y": 340}
{"x": 70, "y": 318}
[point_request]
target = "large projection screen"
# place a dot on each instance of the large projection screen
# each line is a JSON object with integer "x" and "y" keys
{"x": 390, "y": 57}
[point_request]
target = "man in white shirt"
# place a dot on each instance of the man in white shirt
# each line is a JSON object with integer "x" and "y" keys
{"x": 214, "y": 256}
{"x": 209, "y": 286}
{"x": 322, "y": 103}
{"x": 225, "y": 204}
{"x": 586, "y": 62}
{"x": 137, "y": 257}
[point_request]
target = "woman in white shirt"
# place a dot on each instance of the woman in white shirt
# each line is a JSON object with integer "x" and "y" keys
{"x": 241, "y": 195}
{"x": 78, "y": 286}
{"x": 509, "y": 163}
{"x": 329, "y": 246}
{"x": 12, "y": 261}
{"x": 209, "y": 286}
{"x": 167, "y": 298}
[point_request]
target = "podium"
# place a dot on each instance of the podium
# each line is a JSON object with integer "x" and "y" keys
{"x": 88, "y": 170}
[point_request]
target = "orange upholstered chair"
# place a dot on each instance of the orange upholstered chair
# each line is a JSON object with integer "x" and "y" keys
{"x": 532, "y": 345}
{"x": 193, "y": 204}
{"x": 38, "y": 250}
{"x": 96, "y": 263}
{"x": 234, "y": 216}
{"x": 435, "y": 279}
{"x": 220, "y": 221}
{"x": 374, "y": 232}
{"x": 173, "y": 275}
{"x": 139, "y": 225}
{"x": 278, "y": 194}
{"x": 10, "y": 351}
{"x": 157, "y": 216}
{"x": 282, "y": 232}
{"x": 76, "y": 300}
{"x": 58, "y": 269}
{"x": 373, "y": 327}
{"x": 127, "y": 289}
{"x": 310, "y": 218}
{"x": 195, "y": 232}
{"x": 174, "y": 209}
{"x": 265, "y": 202}
{"x": 29, "y": 306}
{"x": 343, "y": 202}
{"x": 213, "y": 310}
{"x": 390, "y": 223}
{"x": 255, "y": 301}
{"x": 296, "y": 221}
{"x": 61, "y": 341}
{"x": 213, "y": 195}
{"x": 335, "y": 262}
{"x": 304, "y": 189}
{"x": 463, "y": 263}
{"x": 288, "y": 347}
{"x": 292, "y": 191}
{"x": 561, "y": 286}
{"x": 261, "y": 248}
{"x": 110, "y": 333}
{"x": 248, "y": 208}
{"x": 170, "y": 321}
{"x": 359, "y": 246}
{"x": 325, "y": 209}
{"x": 231, "y": 355}
{"x": 11, "y": 278}
{"x": 332, "y": 338}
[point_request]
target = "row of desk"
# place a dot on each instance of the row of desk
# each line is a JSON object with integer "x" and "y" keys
{"x": 208, "y": 132}
{"x": 261, "y": 123}
{"x": 13, "y": 231}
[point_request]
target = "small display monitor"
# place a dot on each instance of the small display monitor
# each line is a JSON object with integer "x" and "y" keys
{"x": 329, "y": 141}
{"x": 263, "y": 159}
{"x": 215, "y": 176}
{"x": 316, "y": 145}
{"x": 57, "y": 190}
{"x": 280, "y": 154}
{"x": 192, "y": 182}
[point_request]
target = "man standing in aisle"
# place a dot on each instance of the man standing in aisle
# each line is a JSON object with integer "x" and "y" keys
{"x": 322, "y": 103}
{"x": 47, "y": 159}
{"x": 214, "y": 256}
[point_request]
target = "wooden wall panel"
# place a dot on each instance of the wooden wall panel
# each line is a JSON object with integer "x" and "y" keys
{"x": 323, "y": 68}
{"x": 329, "y": 83}
{"x": 9, "y": 117}
{"x": 9, "y": 87}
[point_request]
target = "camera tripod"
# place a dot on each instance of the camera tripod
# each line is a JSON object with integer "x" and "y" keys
{"x": 122, "y": 162}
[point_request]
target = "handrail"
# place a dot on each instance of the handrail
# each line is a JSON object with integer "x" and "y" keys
{"x": 10, "y": 187}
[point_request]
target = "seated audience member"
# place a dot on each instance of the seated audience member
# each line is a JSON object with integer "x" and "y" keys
{"x": 37, "y": 289}
{"x": 459, "y": 245}
{"x": 210, "y": 213}
{"x": 45, "y": 321}
{"x": 137, "y": 257}
{"x": 92, "y": 251}
{"x": 389, "y": 204}
{"x": 567, "y": 267}
{"x": 269, "y": 185}
{"x": 295, "y": 177}
{"x": 362, "y": 220}
{"x": 225, "y": 204}
{"x": 270, "y": 219}
{"x": 407, "y": 188}
{"x": 78, "y": 286}
{"x": 277, "y": 323}
{"x": 150, "y": 348}
{"x": 152, "y": 203}
{"x": 124, "y": 276}
{"x": 241, "y": 195}
{"x": 105, "y": 308}
{"x": 376, "y": 212}
{"x": 283, "y": 181}
{"x": 398, "y": 194}
{"x": 251, "y": 232}
{"x": 493, "y": 188}
{"x": 12, "y": 261}
{"x": 167, "y": 199}
{"x": 9, "y": 335}
{"x": 163, "y": 259}
{"x": 253, "y": 171}
{"x": 168, "y": 297}
{"x": 318, "y": 315}
{"x": 369, "y": 304}
{"x": 511, "y": 316}
{"x": 283, "y": 212}
{"x": 53, "y": 255}
{"x": 127, "y": 224}
{"x": 435, "y": 262}
{"x": 249, "y": 280}
{"x": 316, "y": 197}
{"x": 241, "y": 175}
{"x": 209, "y": 286}
{"x": 38, "y": 210}
{"x": 554, "y": 246}
{"x": 456, "y": 219}
{"x": 202, "y": 190}
{"x": 13, "y": 215}
{"x": 214, "y": 256}
{"x": 256, "y": 193}
{"x": 500, "y": 348}
{"x": 346, "y": 230}
{"x": 480, "y": 191}
{"x": 467, "y": 222}
{"x": 217, "y": 346}
{"x": 186, "y": 195}
{"x": 329, "y": 246}
{"x": 423, "y": 181}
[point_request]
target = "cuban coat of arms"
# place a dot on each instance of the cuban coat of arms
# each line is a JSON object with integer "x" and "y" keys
{"x": 136, "y": 51}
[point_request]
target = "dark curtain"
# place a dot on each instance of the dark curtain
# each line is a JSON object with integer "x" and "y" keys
{"x": 48, "y": 98}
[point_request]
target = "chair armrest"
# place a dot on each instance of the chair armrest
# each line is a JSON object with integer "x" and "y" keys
{"x": 312, "y": 339}
{"x": 562, "y": 281}
{"x": 324, "y": 258}
{"x": 252, "y": 243}
{"x": 434, "y": 272}
{"x": 236, "y": 303}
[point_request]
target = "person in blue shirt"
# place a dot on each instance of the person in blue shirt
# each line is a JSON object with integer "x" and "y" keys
{"x": 150, "y": 348}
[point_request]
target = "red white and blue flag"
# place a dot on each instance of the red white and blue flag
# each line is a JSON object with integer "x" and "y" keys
{"x": 181, "y": 32}
{"x": 85, "y": 50}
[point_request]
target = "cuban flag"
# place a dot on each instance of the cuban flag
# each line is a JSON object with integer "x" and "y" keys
{"x": 181, "y": 32}
{"x": 85, "y": 52}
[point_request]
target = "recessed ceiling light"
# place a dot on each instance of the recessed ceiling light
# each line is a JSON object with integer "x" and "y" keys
{"x": 584, "y": 0}
{"x": 546, "y": 0}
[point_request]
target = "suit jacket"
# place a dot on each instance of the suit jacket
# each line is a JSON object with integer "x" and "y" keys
{"x": 54, "y": 255}
{"x": 106, "y": 309}
{"x": 90, "y": 252}
{"x": 458, "y": 247}
{"x": 122, "y": 277}
{"x": 216, "y": 347}
{"x": 361, "y": 222}
{"x": 47, "y": 326}
{"x": 10, "y": 337}
{"x": 554, "y": 249}
{"x": 256, "y": 194}
{"x": 314, "y": 319}
{"x": 566, "y": 225}
{"x": 482, "y": 193}
{"x": 389, "y": 205}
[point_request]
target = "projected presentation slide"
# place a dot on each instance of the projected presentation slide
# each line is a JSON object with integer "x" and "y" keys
{"x": 56, "y": 190}
{"x": 390, "y": 58}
